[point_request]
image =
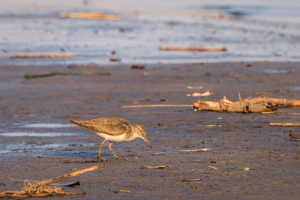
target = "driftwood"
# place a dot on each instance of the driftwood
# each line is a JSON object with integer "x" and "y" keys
{"x": 278, "y": 102}
{"x": 245, "y": 106}
{"x": 196, "y": 94}
{"x": 285, "y": 124}
{"x": 191, "y": 49}
{"x": 195, "y": 150}
{"x": 41, "y": 189}
{"x": 156, "y": 167}
{"x": 157, "y": 106}
{"x": 34, "y": 76}
{"x": 64, "y": 55}
{"x": 98, "y": 16}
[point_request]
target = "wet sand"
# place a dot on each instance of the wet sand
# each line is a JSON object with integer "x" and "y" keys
{"x": 40, "y": 107}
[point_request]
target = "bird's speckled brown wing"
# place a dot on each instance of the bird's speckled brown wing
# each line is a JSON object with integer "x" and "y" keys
{"x": 111, "y": 126}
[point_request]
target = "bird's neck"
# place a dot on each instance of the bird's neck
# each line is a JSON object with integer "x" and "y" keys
{"x": 133, "y": 134}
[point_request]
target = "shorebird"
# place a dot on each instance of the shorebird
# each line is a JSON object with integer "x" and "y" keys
{"x": 113, "y": 130}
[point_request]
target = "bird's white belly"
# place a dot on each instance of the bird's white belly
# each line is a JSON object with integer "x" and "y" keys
{"x": 113, "y": 138}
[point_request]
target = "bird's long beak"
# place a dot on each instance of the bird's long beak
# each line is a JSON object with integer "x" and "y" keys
{"x": 146, "y": 140}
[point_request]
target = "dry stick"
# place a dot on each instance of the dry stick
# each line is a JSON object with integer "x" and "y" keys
{"x": 235, "y": 107}
{"x": 191, "y": 49}
{"x": 279, "y": 102}
{"x": 66, "y": 176}
{"x": 34, "y": 76}
{"x": 196, "y": 150}
{"x": 295, "y": 139}
{"x": 156, "y": 167}
{"x": 285, "y": 124}
{"x": 154, "y": 106}
{"x": 68, "y": 55}
{"x": 36, "y": 186}
{"x": 98, "y": 16}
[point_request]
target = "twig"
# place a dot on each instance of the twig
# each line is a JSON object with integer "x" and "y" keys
{"x": 68, "y": 55}
{"x": 195, "y": 150}
{"x": 210, "y": 125}
{"x": 156, "y": 167}
{"x": 155, "y": 106}
{"x": 98, "y": 16}
{"x": 191, "y": 49}
{"x": 33, "y": 76}
{"x": 213, "y": 167}
{"x": 294, "y": 139}
{"x": 285, "y": 124}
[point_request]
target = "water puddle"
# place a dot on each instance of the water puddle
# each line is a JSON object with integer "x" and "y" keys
{"x": 297, "y": 88}
{"x": 45, "y": 125}
{"x": 276, "y": 71}
{"x": 20, "y": 134}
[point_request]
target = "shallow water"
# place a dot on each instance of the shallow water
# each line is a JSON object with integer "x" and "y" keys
{"x": 265, "y": 31}
{"x": 44, "y": 125}
{"x": 31, "y": 134}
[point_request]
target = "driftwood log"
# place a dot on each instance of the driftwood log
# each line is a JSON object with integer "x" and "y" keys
{"x": 192, "y": 49}
{"x": 278, "y": 102}
{"x": 245, "y": 106}
{"x": 41, "y": 189}
{"x": 63, "y": 55}
{"x": 98, "y": 16}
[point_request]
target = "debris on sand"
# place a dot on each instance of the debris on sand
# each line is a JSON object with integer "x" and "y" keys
{"x": 41, "y": 189}
{"x": 285, "y": 124}
{"x": 211, "y": 125}
{"x": 245, "y": 106}
{"x": 155, "y": 167}
{"x": 114, "y": 59}
{"x": 246, "y": 169}
{"x": 201, "y": 49}
{"x": 196, "y": 94}
{"x": 61, "y": 55}
{"x": 138, "y": 67}
{"x": 186, "y": 180}
{"x": 156, "y": 106}
{"x": 34, "y": 76}
{"x": 213, "y": 167}
{"x": 98, "y": 16}
{"x": 126, "y": 191}
{"x": 195, "y": 150}
{"x": 191, "y": 87}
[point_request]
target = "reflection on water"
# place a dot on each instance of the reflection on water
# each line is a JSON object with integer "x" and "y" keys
{"x": 44, "y": 125}
{"x": 20, "y": 134}
{"x": 275, "y": 71}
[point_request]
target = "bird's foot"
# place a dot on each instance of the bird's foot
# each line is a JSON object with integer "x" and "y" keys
{"x": 100, "y": 158}
{"x": 118, "y": 158}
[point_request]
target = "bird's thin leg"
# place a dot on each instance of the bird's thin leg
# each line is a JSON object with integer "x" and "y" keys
{"x": 100, "y": 148}
{"x": 109, "y": 147}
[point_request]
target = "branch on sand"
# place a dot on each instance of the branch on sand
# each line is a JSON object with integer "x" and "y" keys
{"x": 285, "y": 124}
{"x": 40, "y": 189}
{"x": 34, "y": 76}
{"x": 225, "y": 105}
{"x": 64, "y": 55}
{"x": 202, "y": 49}
{"x": 157, "y": 106}
{"x": 98, "y": 16}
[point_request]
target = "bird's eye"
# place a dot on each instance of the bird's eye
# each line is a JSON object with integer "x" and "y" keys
{"x": 141, "y": 132}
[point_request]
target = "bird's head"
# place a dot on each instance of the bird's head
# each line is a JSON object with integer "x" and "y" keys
{"x": 140, "y": 132}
